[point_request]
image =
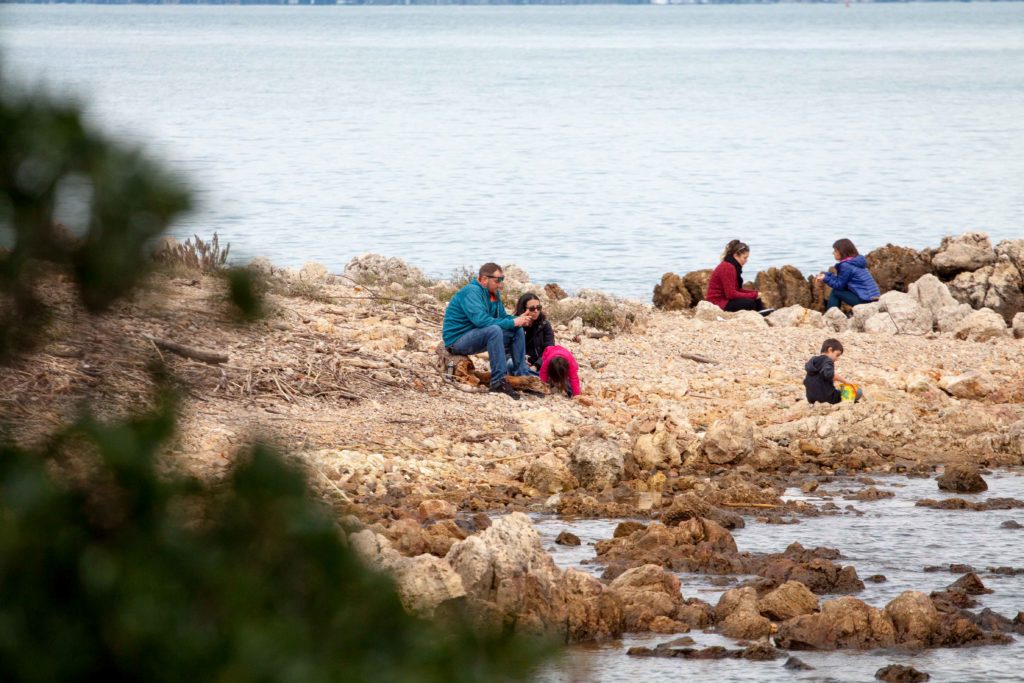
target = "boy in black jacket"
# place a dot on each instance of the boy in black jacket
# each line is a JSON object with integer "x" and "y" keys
{"x": 821, "y": 374}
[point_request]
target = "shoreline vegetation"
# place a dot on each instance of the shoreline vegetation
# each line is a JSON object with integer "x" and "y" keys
{"x": 692, "y": 420}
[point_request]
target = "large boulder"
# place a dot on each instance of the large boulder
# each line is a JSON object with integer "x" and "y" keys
{"x": 554, "y": 292}
{"x": 1005, "y": 293}
{"x": 843, "y": 623}
{"x": 969, "y": 251}
{"x": 423, "y": 582}
{"x": 549, "y": 474}
{"x": 694, "y": 544}
{"x": 931, "y": 293}
{"x": 729, "y": 440}
{"x": 821, "y": 575}
{"x": 705, "y": 310}
{"x": 738, "y": 617}
{"x": 592, "y": 611}
{"x": 915, "y": 620}
{"x": 705, "y": 533}
{"x": 696, "y": 283}
{"x": 313, "y": 271}
{"x": 901, "y": 673}
{"x": 981, "y": 325}
{"x": 789, "y": 600}
{"x": 596, "y": 462}
{"x": 672, "y": 294}
{"x": 894, "y": 268}
{"x": 820, "y": 292}
{"x": 661, "y": 436}
{"x": 948, "y": 317}
{"x": 782, "y": 287}
{"x": 750, "y": 320}
{"x": 909, "y": 316}
{"x": 861, "y": 314}
{"x": 972, "y": 385}
{"x": 881, "y": 322}
{"x": 646, "y": 593}
{"x": 517, "y": 279}
{"x": 657, "y": 450}
{"x": 505, "y": 566}
{"x": 971, "y": 287}
{"x": 834, "y": 320}
{"x": 1013, "y": 250}
{"x": 377, "y": 269}
{"x": 691, "y": 505}
{"x": 999, "y": 286}
{"x": 795, "y": 316}
{"x": 962, "y": 476}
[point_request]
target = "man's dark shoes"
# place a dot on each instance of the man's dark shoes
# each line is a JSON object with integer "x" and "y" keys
{"x": 505, "y": 388}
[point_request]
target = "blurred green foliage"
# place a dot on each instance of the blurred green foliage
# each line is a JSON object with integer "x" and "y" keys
{"x": 114, "y": 202}
{"x": 114, "y": 568}
{"x": 111, "y": 570}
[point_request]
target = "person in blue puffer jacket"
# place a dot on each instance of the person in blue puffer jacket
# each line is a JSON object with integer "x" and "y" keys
{"x": 852, "y": 284}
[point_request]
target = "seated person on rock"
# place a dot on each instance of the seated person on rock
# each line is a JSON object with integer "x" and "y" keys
{"x": 560, "y": 371}
{"x": 725, "y": 288}
{"x": 852, "y": 284}
{"x": 821, "y": 375}
{"x": 539, "y": 333}
{"x": 476, "y": 320}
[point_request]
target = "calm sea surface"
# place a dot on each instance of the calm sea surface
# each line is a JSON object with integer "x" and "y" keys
{"x": 595, "y": 146}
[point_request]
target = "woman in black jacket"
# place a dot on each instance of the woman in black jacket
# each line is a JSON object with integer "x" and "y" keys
{"x": 539, "y": 333}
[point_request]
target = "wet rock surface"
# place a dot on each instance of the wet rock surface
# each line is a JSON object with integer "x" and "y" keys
{"x": 900, "y": 673}
{"x": 962, "y": 477}
{"x": 843, "y": 623}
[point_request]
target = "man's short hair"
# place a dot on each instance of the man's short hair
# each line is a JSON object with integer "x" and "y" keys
{"x": 833, "y": 344}
{"x": 489, "y": 269}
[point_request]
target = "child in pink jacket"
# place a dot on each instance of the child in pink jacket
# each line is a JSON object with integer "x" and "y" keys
{"x": 560, "y": 371}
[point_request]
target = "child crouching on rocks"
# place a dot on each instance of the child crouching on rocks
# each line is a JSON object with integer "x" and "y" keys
{"x": 560, "y": 371}
{"x": 821, "y": 375}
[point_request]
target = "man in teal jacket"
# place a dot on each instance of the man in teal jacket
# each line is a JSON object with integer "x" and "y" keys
{"x": 476, "y": 320}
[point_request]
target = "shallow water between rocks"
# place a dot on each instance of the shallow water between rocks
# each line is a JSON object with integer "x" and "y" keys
{"x": 891, "y": 537}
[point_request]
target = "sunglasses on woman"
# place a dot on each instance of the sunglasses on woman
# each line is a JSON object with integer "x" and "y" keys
{"x": 531, "y": 309}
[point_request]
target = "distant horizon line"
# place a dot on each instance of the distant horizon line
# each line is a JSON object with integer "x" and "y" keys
{"x": 357, "y": 3}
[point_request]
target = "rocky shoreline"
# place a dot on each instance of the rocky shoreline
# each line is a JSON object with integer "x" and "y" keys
{"x": 691, "y": 422}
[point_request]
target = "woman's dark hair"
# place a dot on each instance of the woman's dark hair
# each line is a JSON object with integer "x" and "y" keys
{"x": 525, "y": 299}
{"x": 558, "y": 374}
{"x": 733, "y": 248}
{"x": 845, "y": 248}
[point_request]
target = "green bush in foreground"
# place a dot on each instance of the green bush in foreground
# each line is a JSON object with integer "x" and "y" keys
{"x": 109, "y": 570}
{"x": 113, "y": 570}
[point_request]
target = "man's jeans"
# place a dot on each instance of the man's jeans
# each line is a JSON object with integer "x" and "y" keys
{"x": 845, "y": 296}
{"x": 496, "y": 342}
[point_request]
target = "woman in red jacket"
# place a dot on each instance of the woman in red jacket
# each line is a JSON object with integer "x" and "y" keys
{"x": 725, "y": 288}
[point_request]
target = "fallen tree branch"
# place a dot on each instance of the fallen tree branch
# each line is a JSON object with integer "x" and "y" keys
{"x": 697, "y": 358}
{"x": 188, "y": 351}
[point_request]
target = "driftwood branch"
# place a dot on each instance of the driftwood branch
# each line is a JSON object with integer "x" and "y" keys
{"x": 188, "y": 351}
{"x": 749, "y": 505}
{"x": 699, "y": 359}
